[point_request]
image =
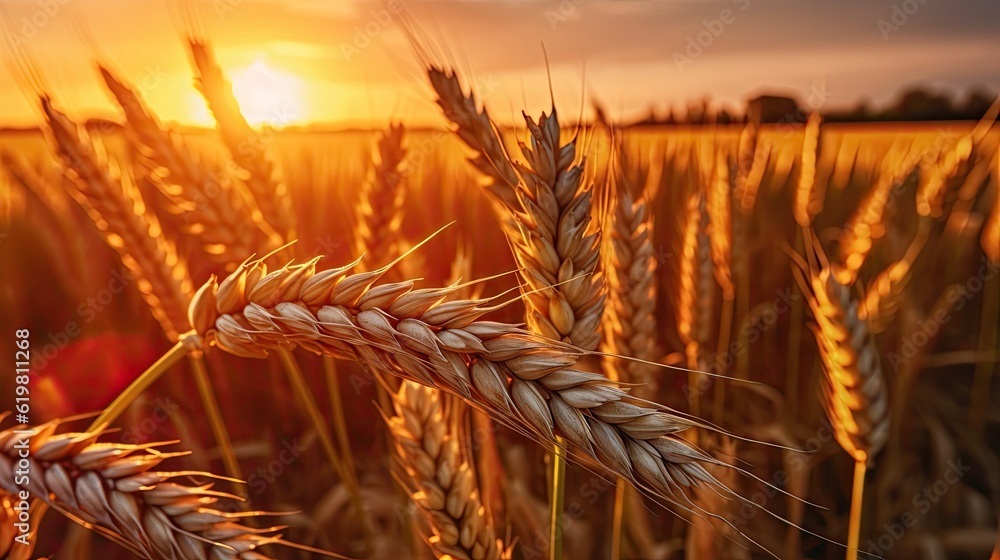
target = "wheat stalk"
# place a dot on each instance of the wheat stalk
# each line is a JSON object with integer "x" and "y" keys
{"x": 379, "y": 210}
{"x": 115, "y": 490}
{"x": 215, "y": 208}
{"x": 476, "y": 129}
{"x": 865, "y": 224}
{"x": 932, "y": 190}
{"x": 695, "y": 292}
{"x": 629, "y": 324}
{"x": 720, "y": 221}
{"x": 881, "y": 301}
{"x": 991, "y": 229}
{"x": 855, "y": 396}
{"x": 120, "y": 214}
{"x": 751, "y": 161}
{"x": 855, "y": 389}
{"x": 519, "y": 378}
{"x": 439, "y": 481}
{"x": 809, "y": 194}
{"x": 558, "y": 250}
{"x": 247, "y": 148}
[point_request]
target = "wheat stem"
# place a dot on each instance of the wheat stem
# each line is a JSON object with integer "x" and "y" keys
{"x": 215, "y": 421}
{"x": 557, "y": 500}
{"x": 337, "y": 412}
{"x": 857, "y": 500}
{"x": 618, "y": 518}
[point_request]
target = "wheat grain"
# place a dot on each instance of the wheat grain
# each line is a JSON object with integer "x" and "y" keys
{"x": 115, "y": 490}
{"x": 882, "y": 299}
{"x": 856, "y": 398}
{"x": 120, "y": 214}
{"x": 214, "y": 207}
{"x": 440, "y": 482}
{"x": 247, "y": 148}
{"x": 519, "y": 378}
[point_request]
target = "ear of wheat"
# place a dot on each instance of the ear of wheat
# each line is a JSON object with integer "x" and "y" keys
{"x": 120, "y": 215}
{"x": 696, "y": 290}
{"x": 630, "y": 319}
{"x": 751, "y": 161}
{"x": 380, "y": 206}
{"x": 558, "y": 246}
{"x": 865, "y": 225}
{"x": 247, "y": 148}
{"x": 881, "y": 301}
{"x": 214, "y": 207}
{"x": 932, "y": 189}
{"x": 720, "y": 220}
{"x": 856, "y": 397}
{"x": 115, "y": 490}
{"x": 441, "y": 483}
{"x": 809, "y": 194}
{"x": 519, "y": 378}
{"x": 476, "y": 129}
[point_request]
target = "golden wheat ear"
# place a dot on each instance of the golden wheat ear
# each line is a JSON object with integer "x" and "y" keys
{"x": 117, "y": 491}
{"x": 440, "y": 482}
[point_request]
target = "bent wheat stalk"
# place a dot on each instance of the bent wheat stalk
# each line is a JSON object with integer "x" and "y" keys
{"x": 519, "y": 378}
{"x": 119, "y": 213}
{"x": 439, "y": 481}
{"x": 215, "y": 210}
{"x": 115, "y": 490}
{"x": 247, "y": 148}
{"x": 476, "y": 129}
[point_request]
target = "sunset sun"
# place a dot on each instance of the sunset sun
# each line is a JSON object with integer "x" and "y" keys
{"x": 269, "y": 97}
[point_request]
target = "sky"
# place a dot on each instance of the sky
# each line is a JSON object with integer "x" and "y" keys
{"x": 350, "y": 63}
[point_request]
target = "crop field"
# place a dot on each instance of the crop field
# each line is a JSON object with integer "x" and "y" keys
{"x": 474, "y": 340}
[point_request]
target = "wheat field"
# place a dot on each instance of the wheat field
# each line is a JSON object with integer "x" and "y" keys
{"x": 717, "y": 341}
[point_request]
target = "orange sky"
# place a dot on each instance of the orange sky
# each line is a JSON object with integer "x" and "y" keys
{"x": 347, "y": 63}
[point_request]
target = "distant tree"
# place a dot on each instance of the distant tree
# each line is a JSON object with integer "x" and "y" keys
{"x": 920, "y": 104}
{"x": 977, "y": 102}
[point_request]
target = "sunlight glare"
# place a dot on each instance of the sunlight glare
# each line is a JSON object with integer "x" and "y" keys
{"x": 268, "y": 97}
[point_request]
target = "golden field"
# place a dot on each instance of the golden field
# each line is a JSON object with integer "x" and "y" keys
{"x": 736, "y": 242}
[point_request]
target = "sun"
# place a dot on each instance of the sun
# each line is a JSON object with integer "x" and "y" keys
{"x": 268, "y": 97}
